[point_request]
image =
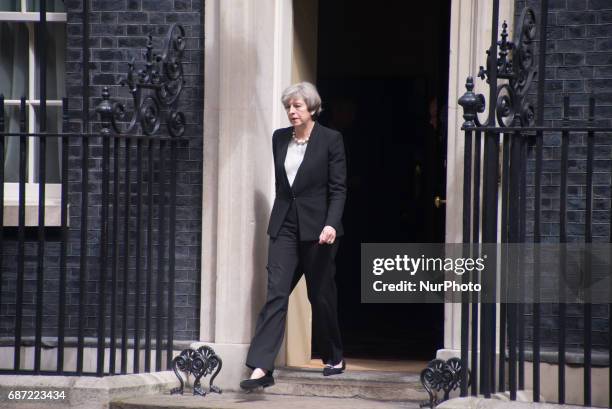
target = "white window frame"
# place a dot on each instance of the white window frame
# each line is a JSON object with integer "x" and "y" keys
{"x": 52, "y": 190}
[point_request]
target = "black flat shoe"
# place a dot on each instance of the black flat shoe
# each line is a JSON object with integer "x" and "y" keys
{"x": 264, "y": 381}
{"x": 330, "y": 370}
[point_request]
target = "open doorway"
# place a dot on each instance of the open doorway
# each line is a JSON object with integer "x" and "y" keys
{"x": 382, "y": 71}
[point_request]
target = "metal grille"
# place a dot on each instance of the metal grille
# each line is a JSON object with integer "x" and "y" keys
{"x": 511, "y": 133}
{"x": 130, "y": 222}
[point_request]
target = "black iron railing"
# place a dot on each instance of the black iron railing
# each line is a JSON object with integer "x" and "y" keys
{"x": 516, "y": 127}
{"x": 126, "y": 230}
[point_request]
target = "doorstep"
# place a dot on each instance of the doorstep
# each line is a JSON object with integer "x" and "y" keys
{"x": 254, "y": 401}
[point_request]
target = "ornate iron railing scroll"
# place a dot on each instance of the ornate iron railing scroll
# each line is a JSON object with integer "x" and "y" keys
{"x": 154, "y": 88}
{"x": 440, "y": 376}
{"x": 198, "y": 364}
{"x": 515, "y": 63}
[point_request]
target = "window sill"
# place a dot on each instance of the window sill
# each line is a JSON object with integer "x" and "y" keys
{"x": 53, "y": 204}
{"x": 53, "y": 212}
{"x": 20, "y": 16}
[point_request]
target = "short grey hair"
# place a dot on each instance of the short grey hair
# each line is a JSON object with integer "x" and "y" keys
{"x": 306, "y": 91}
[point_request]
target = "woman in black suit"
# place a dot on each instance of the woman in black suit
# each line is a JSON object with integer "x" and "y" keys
{"x": 310, "y": 173}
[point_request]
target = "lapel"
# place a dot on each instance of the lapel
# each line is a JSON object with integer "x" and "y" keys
{"x": 283, "y": 154}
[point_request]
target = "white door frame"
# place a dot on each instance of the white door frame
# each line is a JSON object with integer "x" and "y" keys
{"x": 241, "y": 109}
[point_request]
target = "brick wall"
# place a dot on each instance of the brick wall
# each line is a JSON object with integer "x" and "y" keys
{"x": 578, "y": 64}
{"x": 118, "y": 32}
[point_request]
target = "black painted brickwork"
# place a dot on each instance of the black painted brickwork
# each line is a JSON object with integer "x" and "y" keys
{"x": 118, "y": 32}
{"x": 578, "y": 63}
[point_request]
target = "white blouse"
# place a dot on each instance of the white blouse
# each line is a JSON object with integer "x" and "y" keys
{"x": 294, "y": 158}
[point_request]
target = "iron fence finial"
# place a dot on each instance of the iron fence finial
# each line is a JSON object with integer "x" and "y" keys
{"x": 471, "y": 103}
{"x": 105, "y": 109}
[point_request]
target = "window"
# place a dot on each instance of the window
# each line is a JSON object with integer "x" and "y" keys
{"x": 19, "y": 76}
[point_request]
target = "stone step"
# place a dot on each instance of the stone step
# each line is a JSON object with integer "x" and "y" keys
{"x": 374, "y": 385}
{"x": 231, "y": 400}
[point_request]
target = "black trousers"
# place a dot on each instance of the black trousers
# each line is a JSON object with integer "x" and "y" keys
{"x": 288, "y": 259}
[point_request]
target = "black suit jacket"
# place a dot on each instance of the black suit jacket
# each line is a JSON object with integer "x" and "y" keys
{"x": 319, "y": 187}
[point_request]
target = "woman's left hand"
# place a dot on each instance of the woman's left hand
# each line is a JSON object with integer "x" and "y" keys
{"x": 328, "y": 235}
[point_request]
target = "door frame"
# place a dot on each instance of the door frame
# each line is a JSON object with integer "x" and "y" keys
{"x": 470, "y": 31}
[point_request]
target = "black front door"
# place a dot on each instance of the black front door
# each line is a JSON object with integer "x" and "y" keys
{"x": 383, "y": 79}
